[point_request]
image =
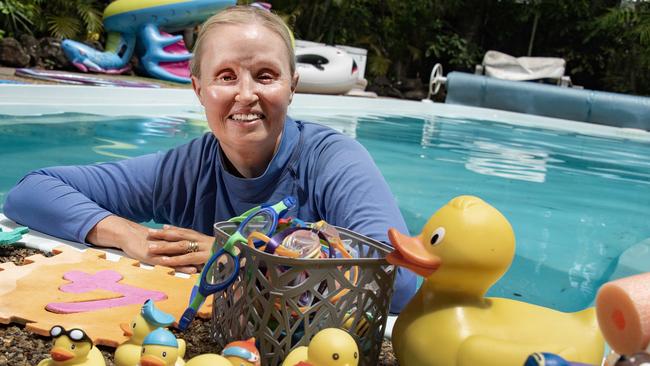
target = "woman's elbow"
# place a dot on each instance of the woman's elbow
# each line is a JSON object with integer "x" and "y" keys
{"x": 20, "y": 197}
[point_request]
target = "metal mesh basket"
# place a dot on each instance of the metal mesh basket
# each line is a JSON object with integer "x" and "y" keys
{"x": 283, "y": 302}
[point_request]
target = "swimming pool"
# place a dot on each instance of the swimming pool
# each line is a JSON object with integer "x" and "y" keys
{"x": 577, "y": 195}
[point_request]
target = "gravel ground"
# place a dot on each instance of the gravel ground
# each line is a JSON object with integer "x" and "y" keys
{"x": 19, "y": 347}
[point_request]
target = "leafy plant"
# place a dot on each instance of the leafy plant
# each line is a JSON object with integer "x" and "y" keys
{"x": 16, "y": 16}
{"x": 627, "y": 30}
{"x": 459, "y": 52}
{"x": 70, "y": 18}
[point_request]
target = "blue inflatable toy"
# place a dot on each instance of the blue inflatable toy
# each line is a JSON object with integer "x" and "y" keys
{"x": 144, "y": 23}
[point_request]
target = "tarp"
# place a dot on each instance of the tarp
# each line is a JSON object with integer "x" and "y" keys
{"x": 502, "y": 66}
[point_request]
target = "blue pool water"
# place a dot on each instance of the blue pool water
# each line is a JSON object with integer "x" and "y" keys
{"x": 576, "y": 202}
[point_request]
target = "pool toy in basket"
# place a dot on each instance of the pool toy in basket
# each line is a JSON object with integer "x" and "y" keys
{"x": 72, "y": 348}
{"x": 463, "y": 249}
{"x": 131, "y": 22}
{"x": 227, "y": 257}
{"x": 623, "y": 308}
{"x": 147, "y": 320}
{"x": 329, "y": 347}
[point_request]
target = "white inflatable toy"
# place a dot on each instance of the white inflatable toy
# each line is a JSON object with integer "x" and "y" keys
{"x": 325, "y": 70}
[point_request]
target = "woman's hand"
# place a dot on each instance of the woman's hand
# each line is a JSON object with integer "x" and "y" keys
{"x": 169, "y": 246}
{"x": 184, "y": 250}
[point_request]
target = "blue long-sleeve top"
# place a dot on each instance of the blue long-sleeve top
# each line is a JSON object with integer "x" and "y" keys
{"x": 332, "y": 176}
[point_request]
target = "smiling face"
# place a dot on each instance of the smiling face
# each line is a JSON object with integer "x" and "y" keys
{"x": 246, "y": 86}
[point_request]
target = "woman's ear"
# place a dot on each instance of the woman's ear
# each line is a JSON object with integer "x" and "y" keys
{"x": 196, "y": 85}
{"x": 294, "y": 85}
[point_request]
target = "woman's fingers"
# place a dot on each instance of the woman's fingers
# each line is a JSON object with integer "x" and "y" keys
{"x": 189, "y": 259}
{"x": 170, "y": 247}
{"x": 166, "y": 234}
{"x": 187, "y": 269}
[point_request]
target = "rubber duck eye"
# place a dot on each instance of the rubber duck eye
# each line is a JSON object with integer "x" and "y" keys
{"x": 335, "y": 356}
{"x": 133, "y": 325}
{"x": 355, "y": 355}
{"x": 164, "y": 354}
{"x": 143, "y": 350}
{"x": 72, "y": 346}
{"x": 437, "y": 236}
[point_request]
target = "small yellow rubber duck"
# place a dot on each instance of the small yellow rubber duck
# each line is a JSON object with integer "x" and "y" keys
{"x": 160, "y": 348}
{"x": 329, "y": 347}
{"x": 149, "y": 319}
{"x": 72, "y": 348}
{"x": 463, "y": 249}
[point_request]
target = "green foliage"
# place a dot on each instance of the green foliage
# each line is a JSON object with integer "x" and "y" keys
{"x": 58, "y": 18}
{"x": 16, "y": 16}
{"x": 460, "y": 53}
{"x": 71, "y": 18}
{"x": 394, "y": 32}
{"x": 606, "y": 45}
{"x": 626, "y": 31}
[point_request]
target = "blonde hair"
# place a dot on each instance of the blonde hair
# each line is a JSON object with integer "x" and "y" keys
{"x": 243, "y": 15}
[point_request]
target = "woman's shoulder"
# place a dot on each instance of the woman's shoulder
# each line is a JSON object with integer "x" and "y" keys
{"x": 326, "y": 145}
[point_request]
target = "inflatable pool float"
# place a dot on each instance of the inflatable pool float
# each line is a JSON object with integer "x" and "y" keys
{"x": 130, "y": 23}
{"x": 325, "y": 70}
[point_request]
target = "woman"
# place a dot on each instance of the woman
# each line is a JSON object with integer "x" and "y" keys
{"x": 244, "y": 74}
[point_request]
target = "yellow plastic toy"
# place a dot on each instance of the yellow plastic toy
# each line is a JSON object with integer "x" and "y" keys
{"x": 72, "y": 348}
{"x": 463, "y": 249}
{"x": 149, "y": 319}
{"x": 329, "y": 347}
{"x": 160, "y": 348}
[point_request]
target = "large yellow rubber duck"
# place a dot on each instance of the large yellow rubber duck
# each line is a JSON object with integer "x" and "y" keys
{"x": 149, "y": 319}
{"x": 72, "y": 348}
{"x": 463, "y": 249}
{"x": 329, "y": 347}
{"x": 160, "y": 348}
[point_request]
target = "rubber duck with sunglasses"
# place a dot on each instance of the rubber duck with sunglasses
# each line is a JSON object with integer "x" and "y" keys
{"x": 72, "y": 348}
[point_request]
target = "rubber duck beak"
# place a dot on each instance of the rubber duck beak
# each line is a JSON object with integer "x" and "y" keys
{"x": 410, "y": 253}
{"x": 60, "y": 355}
{"x": 126, "y": 328}
{"x": 149, "y": 360}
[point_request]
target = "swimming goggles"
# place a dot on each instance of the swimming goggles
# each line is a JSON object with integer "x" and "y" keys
{"x": 331, "y": 244}
{"x": 75, "y": 334}
{"x": 213, "y": 279}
